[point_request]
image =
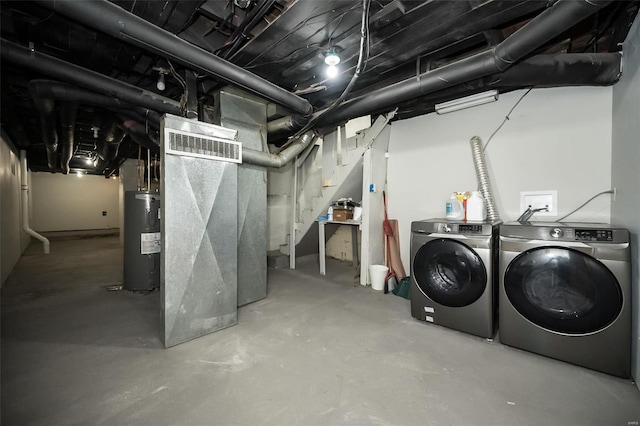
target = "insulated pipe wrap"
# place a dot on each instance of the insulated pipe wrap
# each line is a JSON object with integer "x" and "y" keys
{"x": 48, "y": 125}
{"x": 544, "y": 27}
{"x": 68, "y": 114}
{"x": 117, "y": 22}
{"x": 484, "y": 184}
{"x": 71, "y": 73}
{"x": 68, "y": 93}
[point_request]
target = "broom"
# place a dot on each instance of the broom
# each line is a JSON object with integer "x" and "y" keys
{"x": 391, "y": 279}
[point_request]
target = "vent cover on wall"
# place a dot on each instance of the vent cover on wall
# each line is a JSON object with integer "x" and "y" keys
{"x": 194, "y": 145}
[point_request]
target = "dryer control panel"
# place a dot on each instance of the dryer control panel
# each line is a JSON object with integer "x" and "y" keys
{"x": 593, "y": 235}
{"x": 469, "y": 229}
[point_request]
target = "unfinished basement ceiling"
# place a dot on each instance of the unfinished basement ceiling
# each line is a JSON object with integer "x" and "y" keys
{"x": 284, "y": 42}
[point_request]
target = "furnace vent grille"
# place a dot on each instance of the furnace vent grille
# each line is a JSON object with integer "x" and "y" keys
{"x": 194, "y": 145}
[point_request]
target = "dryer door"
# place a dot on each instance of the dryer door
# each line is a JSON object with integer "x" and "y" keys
{"x": 563, "y": 290}
{"x": 449, "y": 272}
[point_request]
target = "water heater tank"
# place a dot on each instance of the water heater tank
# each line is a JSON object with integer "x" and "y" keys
{"x": 141, "y": 240}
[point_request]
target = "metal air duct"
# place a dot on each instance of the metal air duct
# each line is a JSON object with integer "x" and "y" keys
{"x": 48, "y": 126}
{"x": 482, "y": 175}
{"x": 117, "y": 22}
{"x": 68, "y": 113}
{"x": 61, "y": 70}
{"x": 112, "y": 141}
{"x": 265, "y": 159}
{"x": 66, "y": 92}
{"x": 553, "y": 21}
{"x": 544, "y": 27}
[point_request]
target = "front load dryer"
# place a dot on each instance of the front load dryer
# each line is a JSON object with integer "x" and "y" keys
{"x": 453, "y": 274}
{"x": 565, "y": 292}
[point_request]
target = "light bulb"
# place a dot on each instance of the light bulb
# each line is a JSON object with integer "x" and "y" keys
{"x": 331, "y": 57}
{"x": 332, "y": 71}
{"x": 160, "y": 84}
{"x": 79, "y": 174}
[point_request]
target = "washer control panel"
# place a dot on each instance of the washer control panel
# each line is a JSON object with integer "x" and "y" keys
{"x": 594, "y": 235}
{"x": 469, "y": 229}
{"x": 556, "y": 233}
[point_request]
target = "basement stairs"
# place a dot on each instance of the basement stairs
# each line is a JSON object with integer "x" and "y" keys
{"x": 331, "y": 169}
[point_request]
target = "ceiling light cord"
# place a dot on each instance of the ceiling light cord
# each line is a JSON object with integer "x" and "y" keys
{"x": 506, "y": 118}
{"x": 363, "y": 57}
{"x": 585, "y": 203}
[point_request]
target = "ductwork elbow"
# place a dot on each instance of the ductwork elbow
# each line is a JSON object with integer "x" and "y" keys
{"x": 48, "y": 125}
{"x": 68, "y": 113}
{"x": 288, "y": 124}
{"x": 266, "y": 159}
{"x": 112, "y": 140}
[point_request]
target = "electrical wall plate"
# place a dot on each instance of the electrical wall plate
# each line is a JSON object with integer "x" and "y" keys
{"x": 540, "y": 199}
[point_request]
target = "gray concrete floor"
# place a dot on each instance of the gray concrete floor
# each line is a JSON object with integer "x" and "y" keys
{"x": 317, "y": 351}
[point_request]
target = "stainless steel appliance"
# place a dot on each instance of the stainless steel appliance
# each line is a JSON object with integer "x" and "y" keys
{"x": 565, "y": 291}
{"x": 453, "y": 274}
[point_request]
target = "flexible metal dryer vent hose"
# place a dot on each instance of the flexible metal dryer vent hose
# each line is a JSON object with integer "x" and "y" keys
{"x": 484, "y": 184}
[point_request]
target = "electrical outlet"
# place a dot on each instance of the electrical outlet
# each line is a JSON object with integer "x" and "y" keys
{"x": 538, "y": 200}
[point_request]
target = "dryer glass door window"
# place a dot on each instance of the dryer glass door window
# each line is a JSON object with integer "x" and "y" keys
{"x": 449, "y": 272}
{"x": 563, "y": 290}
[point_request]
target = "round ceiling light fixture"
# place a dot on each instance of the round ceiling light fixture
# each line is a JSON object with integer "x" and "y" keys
{"x": 332, "y": 58}
{"x": 332, "y": 71}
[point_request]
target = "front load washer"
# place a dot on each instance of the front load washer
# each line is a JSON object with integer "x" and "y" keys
{"x": 565, "y": 292}
{"x": 453, "y": 272}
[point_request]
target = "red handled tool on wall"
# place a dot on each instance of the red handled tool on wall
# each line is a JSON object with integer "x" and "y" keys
{"x": 392, "y": 249}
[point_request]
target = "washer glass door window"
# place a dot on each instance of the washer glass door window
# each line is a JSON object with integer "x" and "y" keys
{"x": 563, "y": 290}
{"x": 449, "y": 272}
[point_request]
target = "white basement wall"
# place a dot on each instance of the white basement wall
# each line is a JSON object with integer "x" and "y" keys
{"x": 71, "y": 203}
{"x": 556, "y": 139}
{"x": 626, "y": 170}
{"x": 13, "y": 240}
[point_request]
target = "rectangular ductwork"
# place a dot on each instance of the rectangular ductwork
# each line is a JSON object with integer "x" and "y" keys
{"x": 199, "y": 261}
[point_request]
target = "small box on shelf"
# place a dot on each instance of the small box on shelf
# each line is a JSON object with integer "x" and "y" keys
{"x": 342, "y": 215}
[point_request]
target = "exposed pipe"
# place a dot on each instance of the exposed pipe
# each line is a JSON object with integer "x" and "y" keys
{"x": 484, "y": 183}
{"x": 112, "y": 140}
{"x": 68, "y": 113}
{"x": 286, "y": 124}
{"x": 544, "y": 27}
{"x": 139, "y": 134}
{"x": 66, "y": 92}
{"x": 250, "y": 21}
{"x": 25, "y": 204}
{"x": 191, "y": 89}
{"x": 266, "y": 159}
{"x": 117, "y": 22}
{"x": 61, "y": 70}
{"x": 48, "y": 126}
{"x": 564, "y": 69}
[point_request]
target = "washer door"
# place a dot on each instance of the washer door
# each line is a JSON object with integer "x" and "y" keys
{"x": 449, "y": 272}
{"x": 563, "y": 290}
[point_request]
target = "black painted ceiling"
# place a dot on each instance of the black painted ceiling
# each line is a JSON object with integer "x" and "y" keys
{"x": 283, "y": 41}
